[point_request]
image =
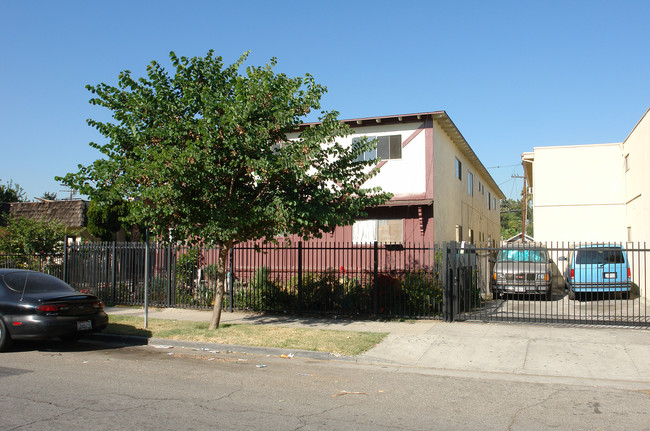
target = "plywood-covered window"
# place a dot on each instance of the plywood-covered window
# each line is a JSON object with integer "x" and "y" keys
{"x": 389, "y": 231}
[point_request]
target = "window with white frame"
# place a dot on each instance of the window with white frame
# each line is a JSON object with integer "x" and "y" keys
{"x": 389, "y": 231}
{"x": 470, "y": 183}
{"x": 388, "y": 148}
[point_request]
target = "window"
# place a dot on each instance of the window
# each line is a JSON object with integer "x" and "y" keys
{"x": 471, "y": 236}
{"x": 481, "y": 188}
{"x": 459, "y": 233}
{"x": 627, "y": 162}
{"x": 382, "y": 231}
{"x": 489, "y": 201}
{"x": 470, "y": 183}
{"x": 629, "y": 233}
{"x": 459, "y": 169}
{"x": 494, "y": 203}
{"x": 368, "y": 154}
{"x": 388, "y": 148}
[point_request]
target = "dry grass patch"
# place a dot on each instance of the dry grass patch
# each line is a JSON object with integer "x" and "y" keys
{"x": 348, "y": 343}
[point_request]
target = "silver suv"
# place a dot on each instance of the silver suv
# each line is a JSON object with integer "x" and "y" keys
{"x": 522, "y": 269}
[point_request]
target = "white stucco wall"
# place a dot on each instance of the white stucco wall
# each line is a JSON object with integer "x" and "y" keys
{"x": 405, "y": 176}
{"x": 579, "y": 193}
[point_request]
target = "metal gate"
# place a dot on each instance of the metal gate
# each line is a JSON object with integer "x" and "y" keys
{"x": 594, "y": 284}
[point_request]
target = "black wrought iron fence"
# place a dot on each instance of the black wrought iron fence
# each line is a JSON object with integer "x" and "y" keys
{"x": 548, "y": 283}
{"x": 396, "y": 281}
{"x": 576, "y": 283}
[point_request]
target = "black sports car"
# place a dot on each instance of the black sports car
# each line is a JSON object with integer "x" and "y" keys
{"x": 34, "y": 305}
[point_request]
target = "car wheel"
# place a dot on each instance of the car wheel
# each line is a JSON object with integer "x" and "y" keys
{"x": 625, "y": 295}
{"x": 549, "y": 294}
{"x": 5, "y": 338}
{"x": 572, "y": 294}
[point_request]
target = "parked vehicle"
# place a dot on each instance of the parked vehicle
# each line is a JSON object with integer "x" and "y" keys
{"x": 598, "y": 269}
{"x": 522, "y": 269}
{"x": 34, "y": 305}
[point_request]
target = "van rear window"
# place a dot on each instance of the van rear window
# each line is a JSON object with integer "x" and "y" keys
{"x": 599, "y": 256}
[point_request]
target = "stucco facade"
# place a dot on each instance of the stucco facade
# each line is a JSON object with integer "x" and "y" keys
{"x": 431, "y": 202}
{"x": 592, "y": 193}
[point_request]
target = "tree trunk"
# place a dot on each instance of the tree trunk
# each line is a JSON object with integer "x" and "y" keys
{"x": 224, "y": 250}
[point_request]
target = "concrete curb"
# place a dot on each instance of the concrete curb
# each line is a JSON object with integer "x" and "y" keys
{"x": 225, "y": 348}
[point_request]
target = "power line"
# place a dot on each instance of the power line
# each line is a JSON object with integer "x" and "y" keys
{"x": 503, "y": 166}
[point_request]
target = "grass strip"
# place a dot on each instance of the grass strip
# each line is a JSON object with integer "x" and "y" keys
{"x": 347, "y": 343}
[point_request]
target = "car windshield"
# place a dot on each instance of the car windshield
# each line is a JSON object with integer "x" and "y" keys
{"x": 34, "y": 282}
{"x": 599, "y": 256}
{"x": 522, "y": 255}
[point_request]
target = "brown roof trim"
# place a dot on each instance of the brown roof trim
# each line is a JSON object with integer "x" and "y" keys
{"x": 385, "y": 119}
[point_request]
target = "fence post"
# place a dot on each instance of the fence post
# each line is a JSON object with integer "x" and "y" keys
{"x": 169, "y": 275}
{"x": 65, "y": 259}
{"x": 450, "y": 274}
{"x": 375, "y": 273}
{"x": 146, "y": 279}
{"x": 232, "y": 277}
{"x": 299, "y": 276}
{"x": 113, "y": 270}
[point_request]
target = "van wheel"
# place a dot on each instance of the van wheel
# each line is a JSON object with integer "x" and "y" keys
{"x": 572, "y": 294}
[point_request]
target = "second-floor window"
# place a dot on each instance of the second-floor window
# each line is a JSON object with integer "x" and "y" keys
{"x": 459, "y": 169}
{"x": 388, "y": 148}
{"x": 470, "y": 183}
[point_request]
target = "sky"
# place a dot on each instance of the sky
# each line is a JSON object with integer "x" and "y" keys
{"x": 512, "y": 75}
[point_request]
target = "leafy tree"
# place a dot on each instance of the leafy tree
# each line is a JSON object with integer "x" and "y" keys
{"x": 105, "y": 218}
{"x": 204, "y": 157}
{"x": 511, "y": 217}
{"x": 30, "y": 236}
{"x": 11, "y": 192}
{"x": 49, "y": 196}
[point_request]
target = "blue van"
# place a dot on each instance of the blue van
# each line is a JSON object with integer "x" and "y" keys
{"x": 598, "y": 268}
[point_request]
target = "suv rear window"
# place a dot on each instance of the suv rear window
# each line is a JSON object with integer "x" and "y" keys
{"x": 599, "y": 256}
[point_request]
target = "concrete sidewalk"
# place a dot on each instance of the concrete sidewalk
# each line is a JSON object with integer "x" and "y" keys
{"x": 600, "y": 355}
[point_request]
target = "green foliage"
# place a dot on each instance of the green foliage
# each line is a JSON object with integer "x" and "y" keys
{"x": 11, "y": 192}
{"x": 50, "y": 196}
{"x": 105, "y": 218}
{"x": 511, "y": 218}
{"x": 31, "y": 236}
{"x": 187, "y": 266}
{"x": 204, "y": 154}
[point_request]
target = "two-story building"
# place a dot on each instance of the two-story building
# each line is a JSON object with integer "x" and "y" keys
{"x": 441, "y": 190}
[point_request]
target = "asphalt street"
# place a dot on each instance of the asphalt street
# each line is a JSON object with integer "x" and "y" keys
{"x": 98, "y": 386}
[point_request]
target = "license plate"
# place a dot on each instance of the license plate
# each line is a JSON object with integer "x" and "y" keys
{"x": 520, "y": 289}
{"x": 610, "y": 275}
{"x": 84, "y": 325}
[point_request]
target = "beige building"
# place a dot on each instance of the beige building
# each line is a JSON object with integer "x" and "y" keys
{"x": 441, "y": 190}
{"x": 592, "y": 193}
